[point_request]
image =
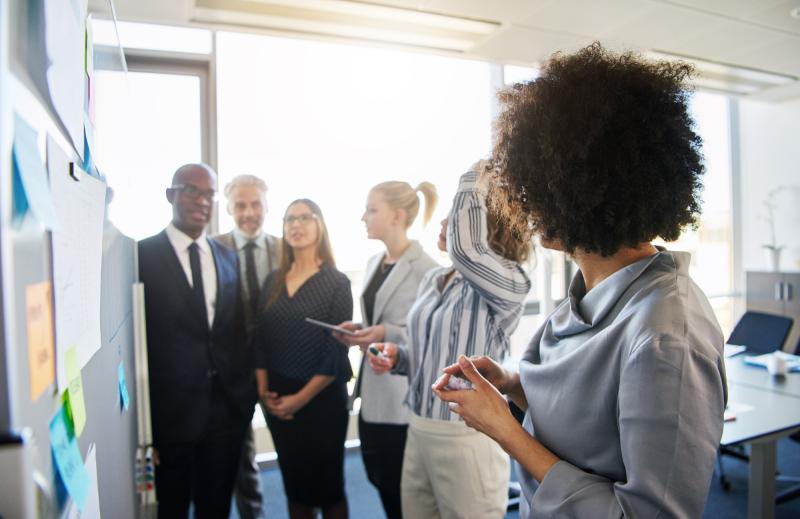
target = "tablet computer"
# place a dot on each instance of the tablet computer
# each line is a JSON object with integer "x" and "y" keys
{"x": 329, "y": 326}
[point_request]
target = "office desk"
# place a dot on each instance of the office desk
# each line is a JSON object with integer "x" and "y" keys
{"x": 772, "y": 415}
{"x": 755, "y": 376}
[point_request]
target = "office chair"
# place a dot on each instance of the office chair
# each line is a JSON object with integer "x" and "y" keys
{"x": 760, "y": 333}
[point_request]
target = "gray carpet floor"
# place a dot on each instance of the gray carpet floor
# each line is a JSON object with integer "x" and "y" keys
{"x": 364, "y": 502}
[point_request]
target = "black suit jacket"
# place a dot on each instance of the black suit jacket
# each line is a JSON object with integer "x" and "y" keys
{"x": 183, "y": 353}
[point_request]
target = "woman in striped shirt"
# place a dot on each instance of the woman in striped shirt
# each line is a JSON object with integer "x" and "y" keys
{"x": 471, "y": 308}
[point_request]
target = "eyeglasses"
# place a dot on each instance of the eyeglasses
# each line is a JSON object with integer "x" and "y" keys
{"x": 304, "y": 219}
{"x": 193, "y": 191}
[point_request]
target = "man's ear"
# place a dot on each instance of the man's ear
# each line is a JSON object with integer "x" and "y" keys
{"x": 170, "y": 193}
{"x": 228, "y": 207}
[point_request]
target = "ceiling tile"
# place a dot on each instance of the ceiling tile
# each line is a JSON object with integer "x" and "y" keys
{"x": 778, "y": 17}
{"x": 523, "y": 45}
{"x": 585, "y": 17}
{"x": 743, "y": 9}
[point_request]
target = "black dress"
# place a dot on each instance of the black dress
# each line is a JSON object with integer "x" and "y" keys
{"x": 310, "y": 447}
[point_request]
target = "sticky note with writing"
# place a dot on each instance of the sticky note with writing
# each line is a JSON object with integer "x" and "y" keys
{"x": 77, "y": 405}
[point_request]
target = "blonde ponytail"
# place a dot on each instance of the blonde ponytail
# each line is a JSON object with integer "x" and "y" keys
{"x": 400, "y": 195}
{"x": 431, "y": 197}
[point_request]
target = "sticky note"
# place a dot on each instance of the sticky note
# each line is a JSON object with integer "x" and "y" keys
{"x": 68, "y": 459}
{"x": 123, "y": 387}
{"x": 77, "y": 406}
{"x": 30, "y": 185}
{"x": 41, "y": 356}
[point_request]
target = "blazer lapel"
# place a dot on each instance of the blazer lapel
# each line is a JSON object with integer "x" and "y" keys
{"x": 396, "y": 276}
{"x": 170, "y": 259}
{"x": 226, "y": 277}
{"x": 372, "y": 266}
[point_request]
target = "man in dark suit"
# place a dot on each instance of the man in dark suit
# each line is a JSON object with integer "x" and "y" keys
{"x": 200, "y": 365}
{"x": 259, "y": 254}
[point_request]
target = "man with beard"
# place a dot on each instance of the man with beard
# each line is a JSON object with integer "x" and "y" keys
{"x": 259, "y": 254}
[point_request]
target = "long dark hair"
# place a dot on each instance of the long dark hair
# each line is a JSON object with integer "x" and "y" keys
{"x": 324, "y": 250}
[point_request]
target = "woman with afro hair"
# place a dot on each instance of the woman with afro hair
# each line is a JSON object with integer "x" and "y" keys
{"x": 624, "y": 384}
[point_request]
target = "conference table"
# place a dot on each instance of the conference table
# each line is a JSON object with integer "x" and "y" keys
{"x": 767, "y": 408}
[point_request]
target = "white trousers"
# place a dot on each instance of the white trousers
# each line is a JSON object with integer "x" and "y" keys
{"x": 452, "y": 471}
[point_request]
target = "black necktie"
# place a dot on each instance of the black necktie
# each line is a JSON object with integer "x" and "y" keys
{"x": 197, "y": 277}
{"x": 250, "y": 275}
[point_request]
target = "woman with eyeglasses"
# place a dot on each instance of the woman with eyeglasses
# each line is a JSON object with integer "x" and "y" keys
{"x": 301, "y": 369}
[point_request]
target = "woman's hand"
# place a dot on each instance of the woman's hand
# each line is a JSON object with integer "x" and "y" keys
{"x": 387, "y": 359}
{"x": 367, "y": 336}
{"x": 486, "y": 366}
{"x": 284, "y": 407}
{"x": 483, "y": 407}
{"x": 347, "y": 340}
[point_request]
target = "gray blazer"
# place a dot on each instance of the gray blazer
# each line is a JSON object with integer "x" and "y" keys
{"x": 274, "y": 244}
{"x": 382, "y": 396}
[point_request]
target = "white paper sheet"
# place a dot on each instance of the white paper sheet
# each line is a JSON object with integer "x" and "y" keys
{"x": 77, "y": 257}
{"x": 92, "y": 510}
{"x": 66, "y": 74}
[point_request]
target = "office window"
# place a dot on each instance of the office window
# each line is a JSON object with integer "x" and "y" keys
{"x": 148, "y": 124}
{"x": 328, "y": 121}
{"x": 711, "y": 245}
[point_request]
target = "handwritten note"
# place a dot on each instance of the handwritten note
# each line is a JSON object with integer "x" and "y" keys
{"x": 76, "y": 403}
{"x": 68, "y": 459}
{"x": 41, "y": 358}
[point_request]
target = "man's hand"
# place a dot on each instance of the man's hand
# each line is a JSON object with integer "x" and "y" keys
{"x": 386, "y": 360}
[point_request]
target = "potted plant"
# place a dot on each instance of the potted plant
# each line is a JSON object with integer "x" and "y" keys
{"x": 772, "y": 249}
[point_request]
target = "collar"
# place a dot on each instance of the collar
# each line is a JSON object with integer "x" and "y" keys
{"x": 584, "y": 311}
{"x": 440, "y": 277}
{"x": 181, "y": 241}
{"x": 241, "y": 240}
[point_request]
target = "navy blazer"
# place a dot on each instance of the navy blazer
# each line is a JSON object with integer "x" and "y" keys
{"x": 183, "y": 353}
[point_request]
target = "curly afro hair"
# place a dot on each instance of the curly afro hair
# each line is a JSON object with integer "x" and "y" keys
{"x": 599, "y": 152}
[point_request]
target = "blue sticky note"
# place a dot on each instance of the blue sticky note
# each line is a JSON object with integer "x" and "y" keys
{"x": 123, "y": 387}
{"x": 31, "y": 189}
{"x": 68, "y": 460}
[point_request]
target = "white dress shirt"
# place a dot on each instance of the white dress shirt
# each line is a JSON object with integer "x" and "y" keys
{"x": 181, "y": 242}
{"x": 260, "y": 254}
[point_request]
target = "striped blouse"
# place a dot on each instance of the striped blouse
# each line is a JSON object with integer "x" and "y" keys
{"x": 473, "y": 315}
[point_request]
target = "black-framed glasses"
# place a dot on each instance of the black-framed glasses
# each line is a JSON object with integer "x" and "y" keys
{"x": 193, "y": 192}
{"x": 304, "y": 219}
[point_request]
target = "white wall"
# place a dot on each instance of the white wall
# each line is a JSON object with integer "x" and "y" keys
{"x": 770, "y": 157}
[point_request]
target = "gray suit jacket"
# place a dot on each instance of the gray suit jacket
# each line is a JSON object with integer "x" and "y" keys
{"x": 273, "y": 246}
{"x": 382, "y": 396}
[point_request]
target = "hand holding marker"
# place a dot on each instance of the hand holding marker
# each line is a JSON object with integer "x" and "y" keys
{"x": 375, "y": 351}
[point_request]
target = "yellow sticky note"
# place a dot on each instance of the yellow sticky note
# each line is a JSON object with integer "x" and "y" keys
{"x": 41, "y": 359}
{"x": 75, "y": 390}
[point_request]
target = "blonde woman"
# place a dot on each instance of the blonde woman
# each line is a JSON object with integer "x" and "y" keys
{"x": 393, "y": 277}
{"x": 301, "y": 370}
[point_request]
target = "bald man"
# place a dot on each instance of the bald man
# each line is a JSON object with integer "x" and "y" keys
{"x": 202, "y": 389}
